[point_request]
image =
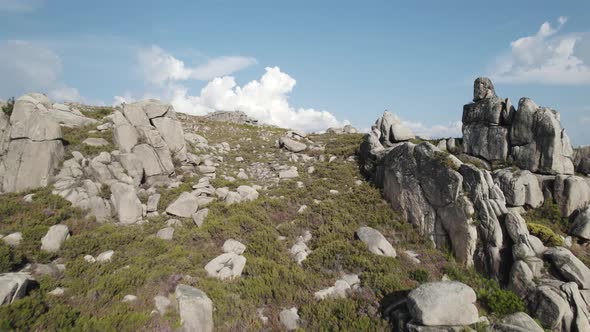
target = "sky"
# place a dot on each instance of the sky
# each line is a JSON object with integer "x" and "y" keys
{"x": 303, "y": 64}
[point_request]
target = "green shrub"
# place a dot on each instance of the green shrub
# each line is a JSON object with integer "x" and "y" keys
{"x": 499, "y": 301}
{"x": 545, "y": 234}
{"x": 342, "y": 315}
{"x": 22, "y": 314}
{"x": 9, "y": 258}
{"x": 490, "y": 294}
{"x": 419, "y": 275}
{"x": 7, "y": 109}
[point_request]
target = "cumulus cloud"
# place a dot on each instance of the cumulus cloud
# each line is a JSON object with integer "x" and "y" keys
{"x": 159, "y": 66}
{"x": 20, "y": 5}
{"x": 31, "y": 67}
{"x": 452, "y": 129}
{"x": 265, "y": 99}
{"x": 547, "y": 57}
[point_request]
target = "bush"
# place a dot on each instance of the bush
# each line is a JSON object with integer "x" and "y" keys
{"x": 9, "y": 259}
{"x": 341, "y": 315}
{"x": 545, "y": 234}
{"x": 7, "y": 109}
{"x": 419, "y": 275}
{"x": 498, "y": 301}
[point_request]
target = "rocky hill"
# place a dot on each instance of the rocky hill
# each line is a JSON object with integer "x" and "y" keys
{"x": 137, "y": 218}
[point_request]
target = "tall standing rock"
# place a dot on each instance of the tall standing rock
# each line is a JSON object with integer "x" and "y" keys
{"x": 486, "y": 123}
{"x": 539, "y": 144}
{"x": 33, "y": 146}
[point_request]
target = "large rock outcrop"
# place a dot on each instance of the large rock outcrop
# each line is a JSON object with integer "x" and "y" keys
{"x": 149, "y": 130}
{"x": 31, "y": 145}
{"x": 531, "y": 137}
{"x": 486, "y": 123}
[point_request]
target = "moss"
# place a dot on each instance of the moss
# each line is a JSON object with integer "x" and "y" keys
{"x": 419, "y": 275}
{"x": 545, "y": 234}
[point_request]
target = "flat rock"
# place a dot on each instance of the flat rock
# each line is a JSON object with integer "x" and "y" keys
{"x": 375, "y": 241}
{"x": 14, "y": 286}
{"x": 184, "y": 206}
{"x": 443, "y": 303}
{"x": 94, "y": 141}
{"x": 226, "y": 266}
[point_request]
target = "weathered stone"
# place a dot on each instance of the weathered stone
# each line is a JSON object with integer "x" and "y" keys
{"x": 539, "y": 143}
{"x": 552, "y": 309}
{"x": 152, "y": 203}
{"x": 571, "y": 193}
{"x": 199, "y": 217}
{"x": 581, "y": 226}
{"x": 520, "y": 188}
{"x": 291, "y": 145}
{"x": 54, "y": 238}
{"x": 14, "y": 286}
{"x": 127, "y": 205}
{"x": 582, "y": 159}
{"x": 195, "y": 309}
{"x": 226, "y": 266}
{"x": 518, "y": 322}
{"x": 376, "y": 242}
{"x": 184, "y": 206}
{"x": 289, "y": 318}
{"x": 94, "y": 141}
{"x": 166, "y": 233}
{"x": 234, "y": 246}
{"x": 569, "y": 266}
{"x": 443, "y": 303}
{"x": 105, "y": 256}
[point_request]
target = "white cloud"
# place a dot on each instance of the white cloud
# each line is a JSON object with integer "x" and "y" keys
{"x": 159, "y": 67}
{"x": 266, "y": 99}
{"x": 547, "y": 57}
{"x": 452, "y": 129}
{"x": 586, "y": 119}
{"x": 20, "y": 5}
{"x": 27, "y": 67}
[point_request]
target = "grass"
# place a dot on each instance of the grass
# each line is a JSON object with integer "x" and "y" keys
{"x": 73, "y": 138}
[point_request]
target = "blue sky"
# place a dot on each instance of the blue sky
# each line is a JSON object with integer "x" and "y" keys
{"x": 350, "y": 60}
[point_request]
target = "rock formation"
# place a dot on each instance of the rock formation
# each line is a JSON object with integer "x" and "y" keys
{"x": 464, "y": 205}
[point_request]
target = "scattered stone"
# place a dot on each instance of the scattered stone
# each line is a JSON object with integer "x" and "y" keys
{"x": 126, "y": 203}
{"x": 162, "y": 304}
{"x": 289, "y": 318}
{"x": 105, "y": 256}
{"x": 89, "y": 259}
{"x": 129, "y": 298}
{"x": 184, "y": 206}
{"x": 14, "y": 286}
{"x": 57, "y": 292}
{"x": 195, "y": 309}
{"x": 376, "y": 242}
{"x": 199, "y": 217}
{"x": 302, "y": 209}
{"x": 94, "y": 141}
{"x": 13, "y": 239}
{"x": 166, "y": 233}
{"x": 54, "y": 238}
{"x": 234, "y": 246}
{"x": 226, "y": 266}
{"x": 152, "y": 203}
{"x": 289, "y": 173}
{"x": 581, "y": 226}
{"x": 291, "y": 145}
{"x": 339, "y": 289}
